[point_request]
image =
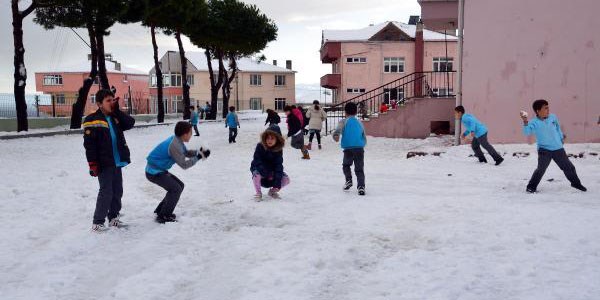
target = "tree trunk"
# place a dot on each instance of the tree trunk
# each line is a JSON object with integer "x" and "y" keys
{"x": 79, "y": 106}
{"x": 104, "y": 84}
{"x": 215, "y": 83}
{"x": 20, "y": 75}
{"x": 228, "y": 79}
{"x": 159, "y": 79}
{"x": 184, "y": 81}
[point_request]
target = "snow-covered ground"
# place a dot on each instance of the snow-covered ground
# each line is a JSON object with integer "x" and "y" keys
{"x": 429, "y": 228}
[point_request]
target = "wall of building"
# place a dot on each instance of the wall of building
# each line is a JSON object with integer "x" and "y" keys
{"x": 518, "y": 51}
{"x": 243, "y": 91}
{"x": 413, "y": 120}
{"x": 370, "y": 75}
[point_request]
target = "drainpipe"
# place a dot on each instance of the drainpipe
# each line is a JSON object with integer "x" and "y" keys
{"x": 419, "y": 58}
{"x": 459, "y": 92}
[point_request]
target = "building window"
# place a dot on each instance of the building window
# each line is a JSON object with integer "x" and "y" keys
{"x": 442, "y": 64}
{"x": 60, "y": 99}
{"x": 175, "y": 79}
{"x": 255, "y": 103}
{"x": 190, "y": 79}
{"x": 153, "y": 80}
{"x": 166, "y": 80}
{"x": 93, "y": 98}
{"x": 355, "y": 91}
{"x": 356, "y": 60}
{"x": 442, "y": 92}
{"x": 279, "y": 103}
{"x": 279, "y": 80}
{"x": 256, "y": 79}
{"x": 53, "y": 80}
{"x": 393, "y": 65}
{"x": 395, "y": 94}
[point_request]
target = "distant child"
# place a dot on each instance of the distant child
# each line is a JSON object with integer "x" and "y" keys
{"x": 107, "y": 153}
{"x": 295, "y": 130}
{"x": 316, "y": 116}
{"x": 169, "y": 152}
{"x": 272, "y": 118}
{"x": 478, "y": 132}
{"x": 354, "y": 141}
{"x": 194, "y": 120}
{"x": 383, "y": 108}
{"x": 233, "y": 123}
{"x": 267, "y": 165}
{"x": 550, "y": 140}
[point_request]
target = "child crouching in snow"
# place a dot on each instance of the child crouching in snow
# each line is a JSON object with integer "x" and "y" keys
{"x": 267, "y": 165}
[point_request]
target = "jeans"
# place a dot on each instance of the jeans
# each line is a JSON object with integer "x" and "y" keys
{"x": 482, "y": 141}
{"x": 561, "y": 159}
{"x": 108, "y": 202}
{"x": 196, "y": 129}
{"x": 356, "y": 157}
{"x": 232, "y": 134}
{"x": 174, "y": 188}
{"x": 312, "y": 134}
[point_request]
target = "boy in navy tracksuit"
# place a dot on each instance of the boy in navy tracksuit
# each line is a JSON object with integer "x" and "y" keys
{"x": 550, "y": 140}
{"x": 353, "y": 142}
{"x": 231, "y": 121}
{"x": 267, "y": 164}
{"x": 169, "y": 152}
{"x": 194, "y": 118}
{"x": 478, "y": 131}
{"x": 107, "y": 152}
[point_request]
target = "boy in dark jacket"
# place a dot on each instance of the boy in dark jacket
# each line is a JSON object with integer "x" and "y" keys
{"x": 295, "y": 126}
{"x": 107, "y": 152}
{"x": 169, "y": 152}
{"x": 267, "y": 165}
{"x": 272, "y": 118}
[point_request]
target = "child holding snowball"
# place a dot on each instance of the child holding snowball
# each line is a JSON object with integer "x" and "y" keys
{"x": 550, "y": 140}
{"x": 169, "y": 152}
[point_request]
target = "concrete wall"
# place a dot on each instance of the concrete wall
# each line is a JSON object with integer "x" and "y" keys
{"x": 39, "y": 123}
{"x": 412, "y": 120}
{"x": 517, "y": 51}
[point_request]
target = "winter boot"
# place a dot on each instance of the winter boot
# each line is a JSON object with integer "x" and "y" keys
{"x": 258, "y": 196}
{"x": 99, "y": 228}
{"x": 499, "y": 161}
{"x": 165, "y": 219}
{"x": 309, "y": 146}
{"x": 320, "y": 147}
{"x": 347, "y": 185}
{"x": 531, "y": 190}
{"x": 305, "y": 155}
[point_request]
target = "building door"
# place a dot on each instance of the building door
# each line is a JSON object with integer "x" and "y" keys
{"x": 279, "y": 104}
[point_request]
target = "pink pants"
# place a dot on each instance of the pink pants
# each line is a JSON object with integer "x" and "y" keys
{"x": 256, "y": 178}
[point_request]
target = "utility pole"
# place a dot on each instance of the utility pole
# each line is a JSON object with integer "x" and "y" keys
{"x": 459, "y": 92}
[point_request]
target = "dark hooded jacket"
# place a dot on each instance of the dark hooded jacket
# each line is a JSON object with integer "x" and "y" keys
{"x": 268, "y": 162}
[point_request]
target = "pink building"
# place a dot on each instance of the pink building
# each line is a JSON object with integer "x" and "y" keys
{"x": 403, "y": 66}
{"x": 364, "y": 59}
{"x": 64, "y": 83}
{"x": 517, "y": 51}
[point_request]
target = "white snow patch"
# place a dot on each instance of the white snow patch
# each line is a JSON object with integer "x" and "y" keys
{"x": 418, "y": 234}
{"x": 22, "y": 70}
{"x": 21, "y": 83}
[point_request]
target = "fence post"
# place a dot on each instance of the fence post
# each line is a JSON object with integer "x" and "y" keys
{"x": 148, "y": 105}
{"x": 37, "y": 105}
{"x": 53, "y": 106}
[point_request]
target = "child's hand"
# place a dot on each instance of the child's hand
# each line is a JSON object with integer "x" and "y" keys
{"x": 523, "y": 115}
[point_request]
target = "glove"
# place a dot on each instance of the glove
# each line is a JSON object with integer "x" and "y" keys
{"x": 203, "y": 153}
{"x": 93, "y": 169}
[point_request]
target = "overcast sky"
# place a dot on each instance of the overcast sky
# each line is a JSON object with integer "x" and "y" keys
{"x": 299, "y": 37}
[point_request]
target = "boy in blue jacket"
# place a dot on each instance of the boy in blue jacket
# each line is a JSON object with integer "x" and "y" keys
{"x": 231, "y": 121}
{"x": 478, "y": 132}
{"x": 353, "y": 142}
{"x": 194, "y": 118}
{"x": 169, "y": 152}
{"x": 550, "y": 140}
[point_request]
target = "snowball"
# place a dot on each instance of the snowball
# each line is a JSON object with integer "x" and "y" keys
{"x": 524, "y": 114}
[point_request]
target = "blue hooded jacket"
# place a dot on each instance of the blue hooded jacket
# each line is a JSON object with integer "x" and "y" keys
{"x": 547, "y": 132}
{"x": 473, "y": 125}
{"x": 194, "y": 118}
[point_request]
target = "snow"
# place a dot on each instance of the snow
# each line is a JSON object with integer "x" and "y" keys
{"x": 84, "y": 67}
{"x": 366, "y": 33}
{"x": 22, "y": 70}
{"x": 244, "y": 64}
{"x": 418, "y": 234}
{"x": 21, "y": 83}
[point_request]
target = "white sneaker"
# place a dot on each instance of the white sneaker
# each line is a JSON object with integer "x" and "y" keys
{"x": 117, "y": 223}
{"x": 99, "y": 228}
{"x": 274, "y": 194}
